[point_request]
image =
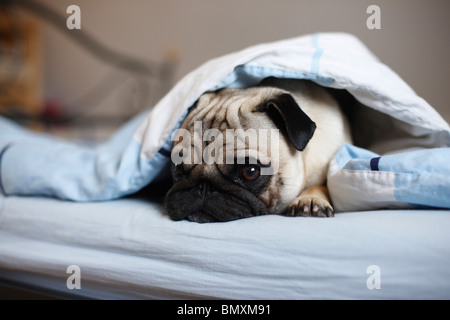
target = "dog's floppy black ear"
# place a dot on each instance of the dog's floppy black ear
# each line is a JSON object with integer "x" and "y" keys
{"x": 290, "y": 119}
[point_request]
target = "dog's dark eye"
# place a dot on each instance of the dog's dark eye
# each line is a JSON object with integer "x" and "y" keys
{"x": 250, "y": 172}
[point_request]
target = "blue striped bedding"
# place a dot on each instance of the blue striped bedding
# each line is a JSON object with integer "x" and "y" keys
{"x": 358, "y": 179}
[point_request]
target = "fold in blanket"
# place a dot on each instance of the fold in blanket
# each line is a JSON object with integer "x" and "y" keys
{"x": 359, "y": 179}
{"x": 390, "y": 117}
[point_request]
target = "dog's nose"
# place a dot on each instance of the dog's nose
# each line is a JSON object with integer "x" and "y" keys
{"x": 203, "y": 188}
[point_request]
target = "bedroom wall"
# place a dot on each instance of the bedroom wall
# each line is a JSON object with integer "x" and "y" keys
{"x": 413, "y": 39}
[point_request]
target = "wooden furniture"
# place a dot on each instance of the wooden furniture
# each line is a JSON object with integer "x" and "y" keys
{"x": 20, "y": 66}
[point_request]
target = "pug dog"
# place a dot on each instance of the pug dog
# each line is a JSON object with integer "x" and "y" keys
{"x": 283, "y": 176}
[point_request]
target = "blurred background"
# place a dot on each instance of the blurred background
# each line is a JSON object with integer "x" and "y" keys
{"x": 83, "y": 83}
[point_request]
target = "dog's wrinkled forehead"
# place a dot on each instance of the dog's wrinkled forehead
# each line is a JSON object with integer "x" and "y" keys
{"x": 229, "y": 108}
{"x": 255, "y": 120}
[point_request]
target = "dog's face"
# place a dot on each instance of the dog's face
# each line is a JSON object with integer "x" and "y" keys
{"x": 237, "y": 155}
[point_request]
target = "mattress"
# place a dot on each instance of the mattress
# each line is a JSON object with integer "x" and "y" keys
{"x": 130, "y": 249}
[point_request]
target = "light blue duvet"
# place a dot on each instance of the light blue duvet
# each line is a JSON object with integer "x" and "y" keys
{"x": 407, "y": 166}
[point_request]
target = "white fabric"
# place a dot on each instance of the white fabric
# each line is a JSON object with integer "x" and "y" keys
{"x": 129, "y": 248}
{"x": 336, "y": 60}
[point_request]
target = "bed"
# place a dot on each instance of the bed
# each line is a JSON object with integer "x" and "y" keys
{"x": 130, "y": 249}
{"x": 89, "y": 222}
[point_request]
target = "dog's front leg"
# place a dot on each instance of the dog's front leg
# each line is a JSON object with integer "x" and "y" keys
{"x": 312, "y": 202}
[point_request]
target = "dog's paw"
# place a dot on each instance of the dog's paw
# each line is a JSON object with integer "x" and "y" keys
{"x": 308, "y": 206}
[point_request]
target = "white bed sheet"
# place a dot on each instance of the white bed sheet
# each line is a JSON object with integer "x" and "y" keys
{"x": 129, "y": 248}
